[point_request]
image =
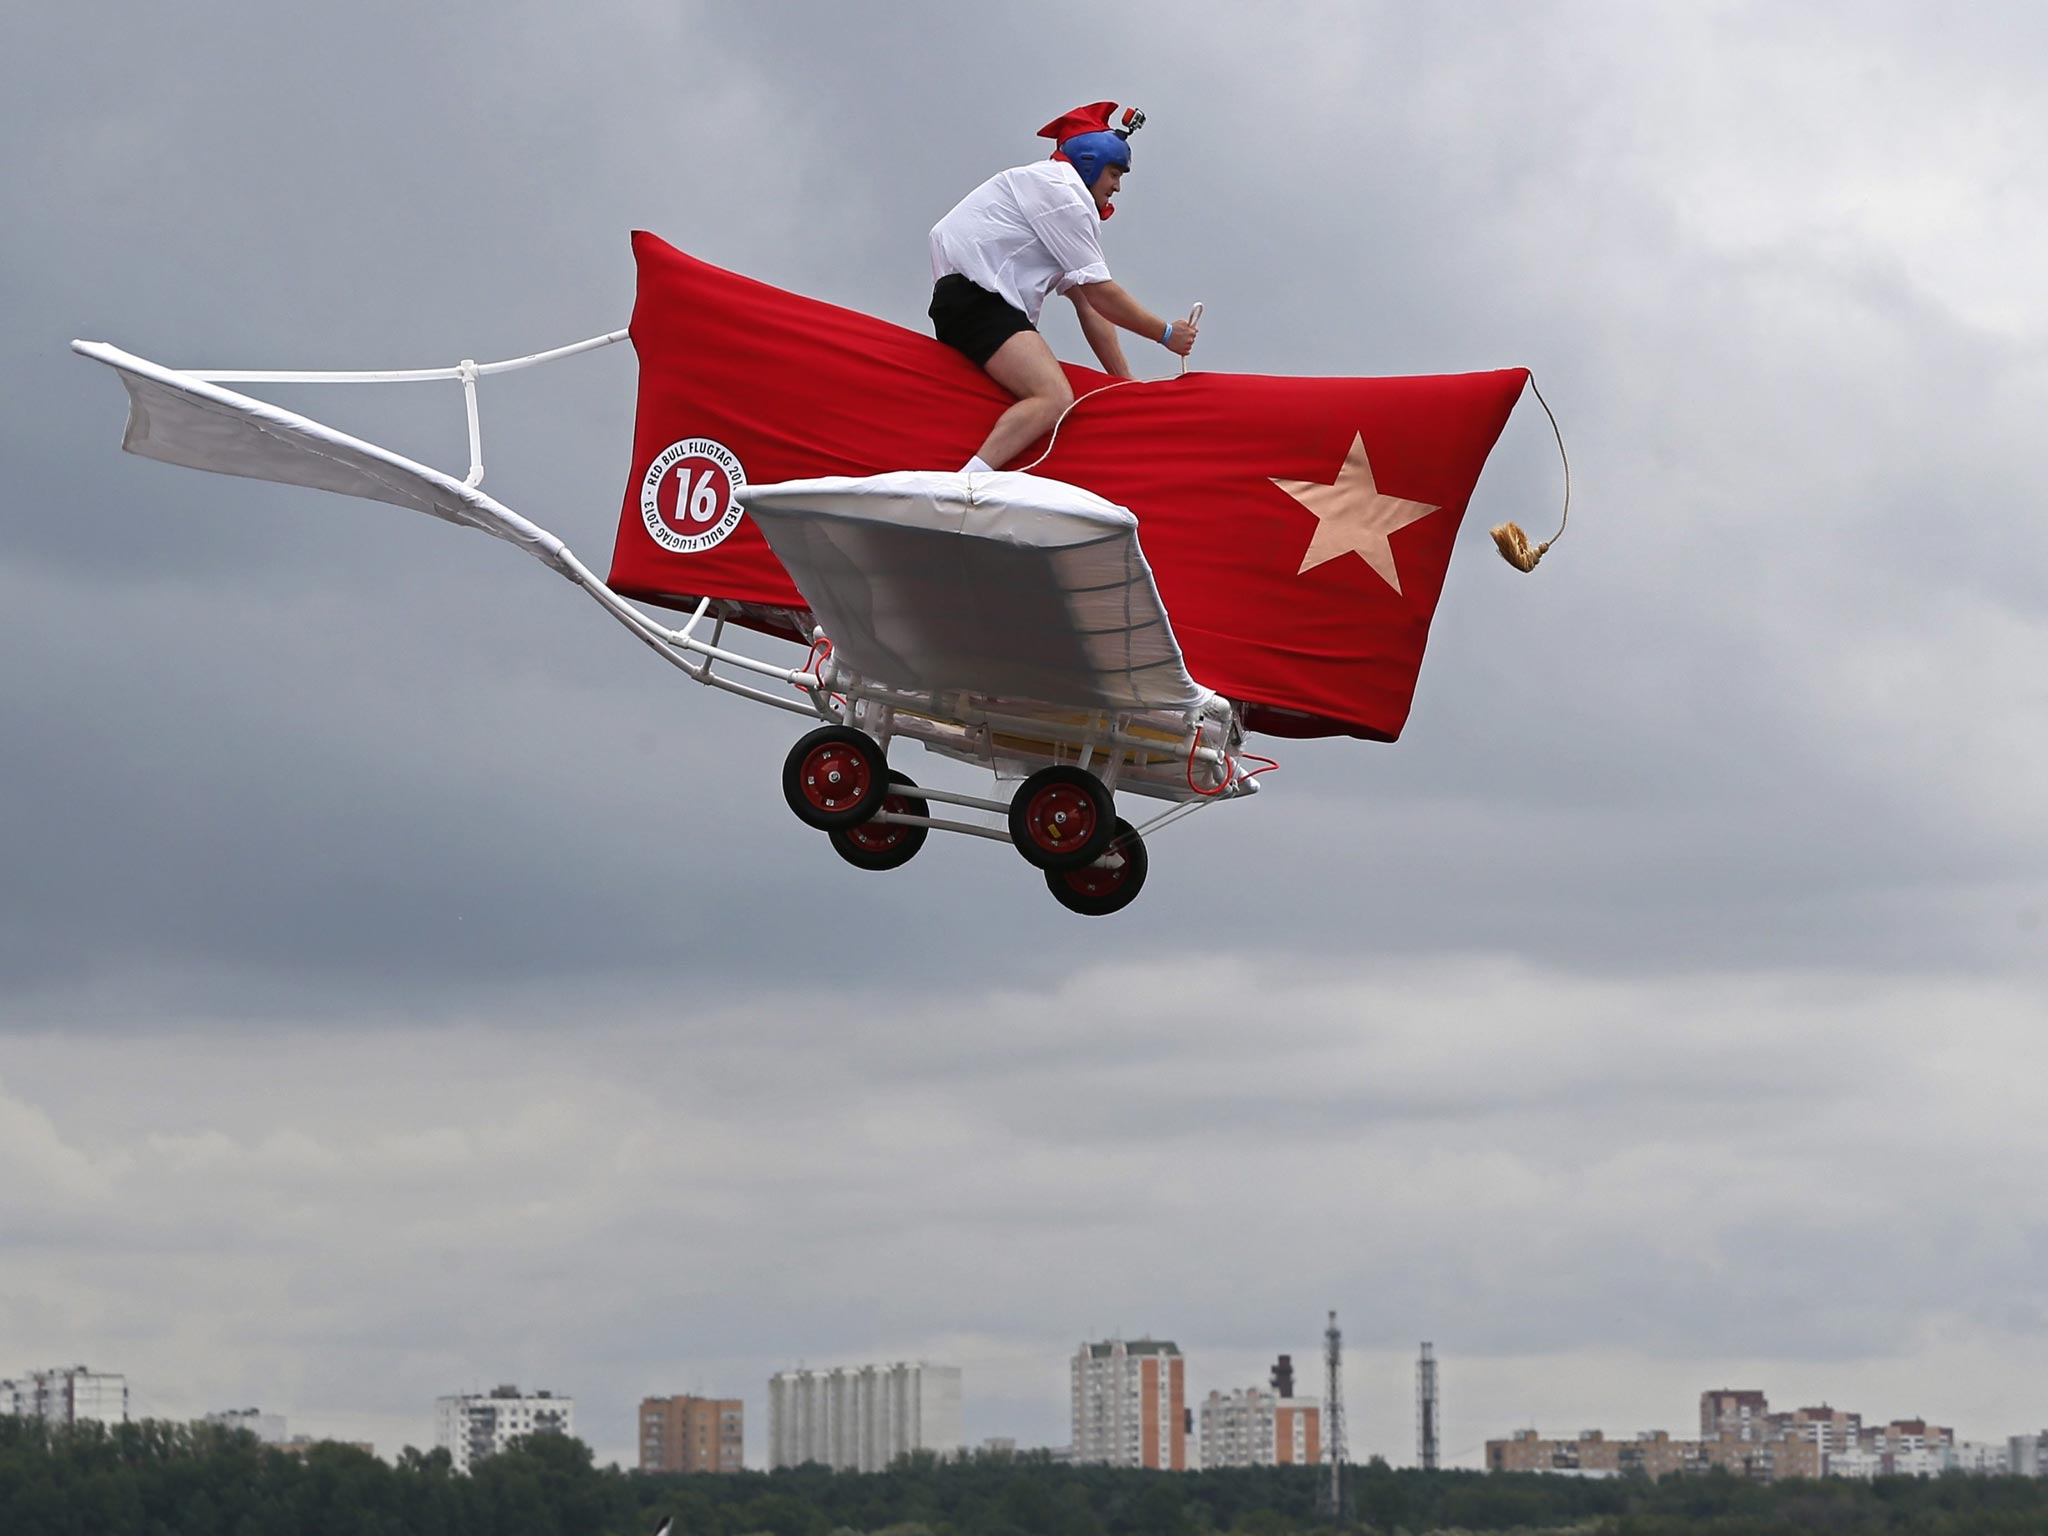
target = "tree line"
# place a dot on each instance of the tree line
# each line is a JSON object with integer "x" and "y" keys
{"x": 163, "y": 1479}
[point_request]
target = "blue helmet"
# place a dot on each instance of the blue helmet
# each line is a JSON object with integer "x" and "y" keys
{"x": 1085, "y": 138}
{"x": 1090, "y": 152}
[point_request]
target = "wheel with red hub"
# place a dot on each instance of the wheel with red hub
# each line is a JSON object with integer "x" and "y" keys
{"x": 1060, "y": 817}
{"x": 885, "y": 844}
{"x": 1108, "y": 885}
{"x": 834, "y": 778}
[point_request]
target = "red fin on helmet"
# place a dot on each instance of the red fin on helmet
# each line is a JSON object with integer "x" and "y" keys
{"x": 1093, "y": 118}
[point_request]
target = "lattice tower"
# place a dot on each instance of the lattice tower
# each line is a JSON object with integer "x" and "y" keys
{"x": 1426, "y": 1424}
{"x": 1330, "y": 1498}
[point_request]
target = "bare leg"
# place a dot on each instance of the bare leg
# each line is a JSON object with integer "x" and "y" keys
{"x": 1025, "y": 366}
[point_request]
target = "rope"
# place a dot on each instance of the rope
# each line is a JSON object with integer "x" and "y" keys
{"x": 1514, "y": 544}
{"x": 1194, "y": 318}
{"x": 1103, "y": 390}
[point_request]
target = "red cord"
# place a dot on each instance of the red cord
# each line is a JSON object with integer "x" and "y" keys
{"x": 1271, "y": 765}
{"x": 1229, "y": 776}
{"x": 821, "y": 648}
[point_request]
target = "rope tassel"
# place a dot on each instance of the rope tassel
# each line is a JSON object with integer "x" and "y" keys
{"x": 1515, "y": 548}
{"x": 1508, "y": 538}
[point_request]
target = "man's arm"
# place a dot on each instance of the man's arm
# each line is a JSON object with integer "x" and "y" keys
{"x": 1110, "y": 302}
{"x": 1101, "y": 336}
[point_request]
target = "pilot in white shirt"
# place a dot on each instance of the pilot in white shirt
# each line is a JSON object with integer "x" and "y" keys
{"x": 1021, "y": 236}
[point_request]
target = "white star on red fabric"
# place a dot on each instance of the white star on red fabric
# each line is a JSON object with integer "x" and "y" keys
{"x": 1353, "y": 516}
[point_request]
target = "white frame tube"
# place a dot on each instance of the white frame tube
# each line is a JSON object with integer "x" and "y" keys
{"x": 399, "y": 375}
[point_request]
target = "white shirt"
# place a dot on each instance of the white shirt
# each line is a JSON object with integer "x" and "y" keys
{"x": 1023, "y": 233}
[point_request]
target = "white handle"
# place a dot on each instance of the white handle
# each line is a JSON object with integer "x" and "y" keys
{"x": 1194, "y": 318}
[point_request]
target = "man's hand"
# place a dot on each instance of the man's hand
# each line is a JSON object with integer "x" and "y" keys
{"x": 1182, "y": 341}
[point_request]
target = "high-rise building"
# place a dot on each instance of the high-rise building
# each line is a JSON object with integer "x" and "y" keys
{"x": 692, "y": 1434}
{"x": 1834, "y": 1430}
{"x": 2027, "y": 1455}
{"x": 476, "y": 1425}
{"x": 861, "y": 1418}
{"x": 1129, "y": 1404}
{"x": 1980, "y": 1458}
{"x": 1255, "y": 1428}
{"x": 1911, "y": 1448}
{"x": 267, "y": 1427}
{"x": 1297, "y": 1431}
{"x": 67, "y": 1395}
{"x": 1732, "y": 1414}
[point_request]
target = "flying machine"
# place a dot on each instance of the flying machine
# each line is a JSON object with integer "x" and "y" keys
{"x": 1295, "y": 538}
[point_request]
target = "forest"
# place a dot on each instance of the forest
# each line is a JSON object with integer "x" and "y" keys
{"x": 155, "y": 1478}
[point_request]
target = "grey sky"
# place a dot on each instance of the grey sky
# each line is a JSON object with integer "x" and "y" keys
{"x": 407, "y": 984}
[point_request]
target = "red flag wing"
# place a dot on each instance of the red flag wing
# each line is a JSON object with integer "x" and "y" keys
{"x": 1309, "y": 600}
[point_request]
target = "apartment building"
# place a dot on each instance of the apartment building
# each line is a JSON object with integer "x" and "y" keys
{"x": 692, "y": 1434}
{"x": 861, "y": 1418}
{"x": 2027, "y": 1455}
{"x": 473, "y": 1426}
{"x": 1130, "y": 1404}
{"x": 67, "y": 1396}
{"x": 1251, "y": 1427}
{"x": 1733, "y": 1414}
{"x": 1832, "y": 1429}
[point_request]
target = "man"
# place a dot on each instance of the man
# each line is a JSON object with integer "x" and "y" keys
{"x": 1026, "y": 233}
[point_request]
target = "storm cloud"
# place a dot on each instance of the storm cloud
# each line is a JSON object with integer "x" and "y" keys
{"x": 406, "y": 984}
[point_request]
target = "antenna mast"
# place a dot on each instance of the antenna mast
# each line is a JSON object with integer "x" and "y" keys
{"x": 1426, "y": 1409}
{"x": 1330, "y": 1498}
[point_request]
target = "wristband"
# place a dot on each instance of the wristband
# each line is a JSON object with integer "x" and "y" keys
{"x": 1167, "y": 339}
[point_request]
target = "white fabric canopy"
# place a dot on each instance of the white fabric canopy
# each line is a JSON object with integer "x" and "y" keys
{"x": 1000, "y": 584}
{"x": 184, "y": 420}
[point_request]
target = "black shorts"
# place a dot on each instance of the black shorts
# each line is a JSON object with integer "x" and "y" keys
{"x": 973, "y": 321}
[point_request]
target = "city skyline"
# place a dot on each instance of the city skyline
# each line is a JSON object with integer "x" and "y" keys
{"x": 1837, "y": 1441}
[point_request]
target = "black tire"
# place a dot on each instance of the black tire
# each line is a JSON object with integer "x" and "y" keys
{"x": 831, "y": 806}
{"x": 885, "y": 845}
{"x": 1095, "y": 890}
{"x": 1061, "y": 817}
